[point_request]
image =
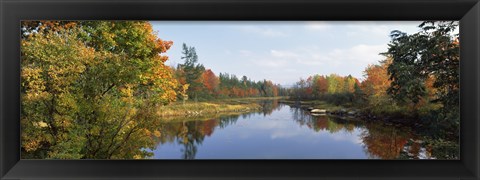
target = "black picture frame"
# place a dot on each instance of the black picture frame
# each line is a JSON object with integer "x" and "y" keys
{"x": 13, "y": 11}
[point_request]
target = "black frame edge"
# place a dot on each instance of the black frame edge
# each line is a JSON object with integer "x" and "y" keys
{"x": 9, "y": 156}
{"x": 470, "y": 48}
{"x": 12, "y": 167}
{"x": 244, "y": 9}
{"x": 1, "y": 94}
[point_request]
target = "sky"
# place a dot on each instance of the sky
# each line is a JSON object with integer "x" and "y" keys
{"x": 282, "y": 52}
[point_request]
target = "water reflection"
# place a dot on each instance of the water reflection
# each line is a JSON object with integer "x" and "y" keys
{"x": 385, "y": 142}
{"x": 191, "y": 133}
{"x": 268, "y": 106}
{"x": 323, "y": 123}
{"x": 283, "y": 132}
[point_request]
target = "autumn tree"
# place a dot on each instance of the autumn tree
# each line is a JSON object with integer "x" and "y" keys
{"x": 320, "y": 85}
{"x": 86, "y": 85}
{"x": 49, "y": 98}
{"x": 210, "y": 81}
{"x": 232, "y": 86}
{"x": 348, "y": 85}
{"x": 335, "y": 84}
{"x": 377, "y": 80}
{"x": 332, "y": 88}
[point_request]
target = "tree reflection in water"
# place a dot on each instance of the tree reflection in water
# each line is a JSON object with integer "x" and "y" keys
{"x": 385, "y": 142}
{"x": 191, "y": 133}
{"x": 380, "y": 141}
{"x": 390, "y": 142}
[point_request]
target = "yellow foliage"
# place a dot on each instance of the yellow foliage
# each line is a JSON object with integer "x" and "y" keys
{"x": 40, "y": 124}
{"x": 157, "y": 133}
{"x": 93, "y": 90}
{"x": 148, "y": 133}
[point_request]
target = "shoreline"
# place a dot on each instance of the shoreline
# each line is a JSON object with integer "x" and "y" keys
{"x": 214, "y": 107}
{"x": 351, "y": 112}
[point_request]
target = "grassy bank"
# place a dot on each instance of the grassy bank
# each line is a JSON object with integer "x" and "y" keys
{"x": 201, "y": 108}
{"x": 316, "y": 104}
{"x": 218, "y": 106}
{"x": 204, "y": 117}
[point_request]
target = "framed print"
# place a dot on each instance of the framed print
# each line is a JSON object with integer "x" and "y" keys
{"x": 239, "y": 89}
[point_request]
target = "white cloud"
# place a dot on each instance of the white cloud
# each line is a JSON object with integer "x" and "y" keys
{"x": 317, "y": 26}
{"x": 263, "y": 31}
{"x": 351, "y": 60}
{"x": 369, "y": 30}
{"x": 359, "y": 54}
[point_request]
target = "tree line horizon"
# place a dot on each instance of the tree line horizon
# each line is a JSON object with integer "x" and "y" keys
{"x": 90, "y": 89}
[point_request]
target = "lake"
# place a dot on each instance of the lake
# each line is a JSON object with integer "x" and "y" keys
{"x": 284, "y": 132}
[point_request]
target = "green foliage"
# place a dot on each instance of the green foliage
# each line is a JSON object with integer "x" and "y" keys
{"x": 192, "y": 71}
{"x": 407, "y": 78}
{"x": 432, "y": 52}
{"x": 444, "y": 149}
{"x": 358, "y": 95}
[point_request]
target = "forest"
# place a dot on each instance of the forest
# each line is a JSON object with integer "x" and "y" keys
{"x": 417, "y": 80}
{"x": 102, "y": 89}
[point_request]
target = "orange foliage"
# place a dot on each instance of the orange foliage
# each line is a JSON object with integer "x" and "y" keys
{"x": 208, "y": 127}
{"x": 210, "y": 81}
{"x": 275, "y": 91}
{"x": 322, "y": 84}
{"x": 384, "y": 142}
{"x": 377, "y": 79}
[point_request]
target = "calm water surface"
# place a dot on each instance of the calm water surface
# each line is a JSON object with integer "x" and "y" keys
{"x": 284, "y": 132}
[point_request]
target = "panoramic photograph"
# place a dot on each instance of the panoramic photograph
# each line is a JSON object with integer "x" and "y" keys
{"x": 240, "y": 90}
